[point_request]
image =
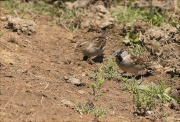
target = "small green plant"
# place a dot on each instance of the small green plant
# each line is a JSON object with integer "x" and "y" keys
{"x": 96, "y": 87}
{"x": 130, "y": 15}
{"x": 68, "y": 19}
{"x": 130, "y": 84}
{"x": 89, "y": 107}
{"x": 41, "y": 7}
{"x": 154, "y": 18}
{"x": 131, "y": 38}
{"x": 110, "y": 71}
{"x": 148, "y": 97}
{"x": 137, "y": 50}
{"x": 175, "y": 23}
{"x": 97, "y": 112}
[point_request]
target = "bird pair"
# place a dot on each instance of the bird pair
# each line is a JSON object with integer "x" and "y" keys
{"x": 97, "y": 45}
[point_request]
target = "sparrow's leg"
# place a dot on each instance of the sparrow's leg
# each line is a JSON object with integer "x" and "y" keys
{"x": 135, "y": 75}
{"x": 90, "y": 61}
{"x": 142, "y": 78}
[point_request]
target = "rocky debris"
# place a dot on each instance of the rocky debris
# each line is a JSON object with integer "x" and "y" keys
{"x": 74, "y": 80}
{"x": 20, "y": 25}
{"x": 85, "y": 3}
{"x": 97, "y": 17}
{"x": 161, "y": 42}
{"x": 68, "y": 103}
{"x": 81, "y": 92}
{"x": 138, "y": 26}
{"x": 174, "y": 105}
{"x": 76, "y": 4}
{"x": 156, "y": 37}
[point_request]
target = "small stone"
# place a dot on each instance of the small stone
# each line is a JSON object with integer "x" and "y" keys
{"x": 66, "y": 77}
{"x": 74, "y": 80}
{"x": 81, "y": 92}
{"x": 149, "y": 112}
{"x": 3, "y": 18}
{"x": 68, "y": 103}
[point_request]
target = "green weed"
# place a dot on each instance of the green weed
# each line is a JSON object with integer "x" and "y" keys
{"x": 137, "y": 50}
{"x": 97, "y": 112}
{"x": 110, "y": 71}
{"x": 89, "y": 107}
{"x": 130, "y": 15}
{"x": 175, "y": 23}
{"x": 154, "y": 18}
{"x": 41, "y": 7}
{"x": 131, "y": 38}
{"x": 148, "y": 97}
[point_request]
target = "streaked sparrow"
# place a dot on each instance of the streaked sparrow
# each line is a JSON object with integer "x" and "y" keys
{"x": 92, "y": 47}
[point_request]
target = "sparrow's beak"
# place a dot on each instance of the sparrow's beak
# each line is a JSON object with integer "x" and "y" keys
{"x": 116, "y": 53}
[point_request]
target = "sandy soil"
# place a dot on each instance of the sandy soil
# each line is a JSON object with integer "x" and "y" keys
{"x": 32, "y": 77}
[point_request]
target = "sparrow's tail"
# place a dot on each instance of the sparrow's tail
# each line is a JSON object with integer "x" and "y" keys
{"x": 104, "y": 33}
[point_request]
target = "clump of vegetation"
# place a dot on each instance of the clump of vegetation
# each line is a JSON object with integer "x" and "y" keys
{"x": 128, "y": 16}
{"x": 109, "y": 71}
{"x": 131, "y": 15}
{"x": 97, "y": 112}
{"x": 131, "y": 38}
{"x": 89, "y": 107}
{"x": 41, "y": 7}
{"x": 175, "y": 23}
{"x": 148, "y": 97}
{"x": 62, "y": 16}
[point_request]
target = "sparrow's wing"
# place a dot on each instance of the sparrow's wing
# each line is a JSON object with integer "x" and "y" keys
{"x": 100, "y": 42}
{"x": 136, "y": 60}
{"x": 127, "y": 60}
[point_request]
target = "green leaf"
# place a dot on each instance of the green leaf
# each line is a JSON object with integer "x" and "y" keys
{"x": 136, "y": 40}
{"x": 167, "y": 90}
{"x": 93, "y": 85}
{"x": 168, "y": 98}
{"x": 126, "y": 41}
{"x": 143, "y": 87}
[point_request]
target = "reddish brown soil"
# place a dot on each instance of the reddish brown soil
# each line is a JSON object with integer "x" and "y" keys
{"x": 32, "y": 83}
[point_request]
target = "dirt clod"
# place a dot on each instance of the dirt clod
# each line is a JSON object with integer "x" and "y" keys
{"x": 74, "y": 80}
{"x": 68, "y": 103}
{"x": 97, "y": 17}
{"x": 21, "y": 25}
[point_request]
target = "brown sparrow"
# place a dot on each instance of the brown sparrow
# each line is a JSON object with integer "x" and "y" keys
{"x": 92, "y": 47}
{"x": 128, "y": 63}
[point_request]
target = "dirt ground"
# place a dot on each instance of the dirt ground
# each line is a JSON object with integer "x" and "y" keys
{"x": 32, "y": 77}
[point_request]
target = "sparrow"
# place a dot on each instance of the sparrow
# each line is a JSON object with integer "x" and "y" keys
{"x": 128, "y": 63}
{"x": 92, "y": 47}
